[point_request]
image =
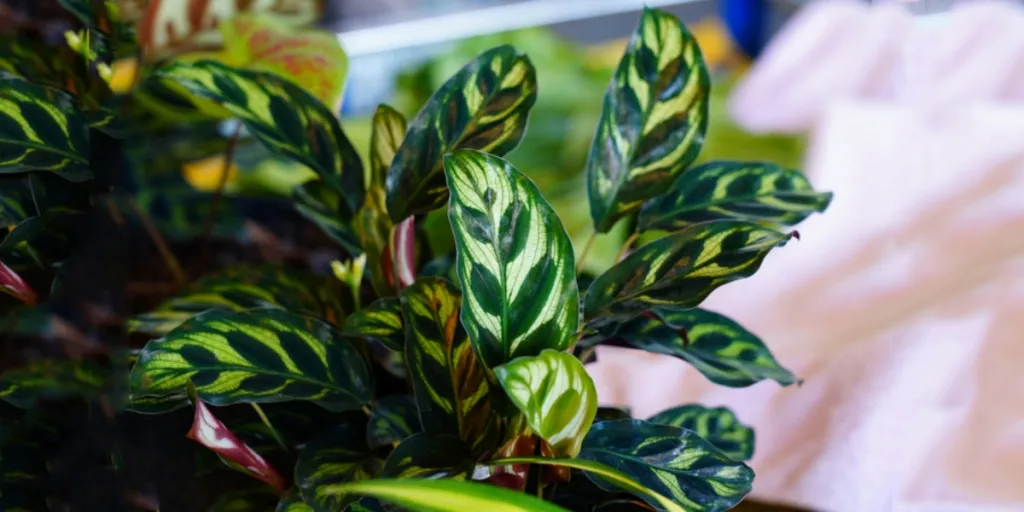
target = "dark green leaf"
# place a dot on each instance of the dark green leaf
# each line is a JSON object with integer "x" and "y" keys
{"x": 612, "y": 413}
{"x": 325, "y": 207}
{"x": 484, "y": 106}
{"x": 337, "y": 456}
{"x": 50, "y": 378}
{"x": 246, "y": 500}
{"x": 292, "y": 503}
{"x": 381, "y": 321}
{"x": 428, "y": 456}
{"x": 717, "y": 425}
{"x": 40, "y": 129}
{"x": 445, "y": 495}
{"x": 393, "y": 419}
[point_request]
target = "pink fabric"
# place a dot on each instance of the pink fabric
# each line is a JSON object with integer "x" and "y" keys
{"x": 903, "y": 305}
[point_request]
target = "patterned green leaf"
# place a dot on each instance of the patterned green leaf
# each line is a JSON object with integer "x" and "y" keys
{"x": 259, "y": 355}
{"x": 449, "y": 383}
{"x": 157, "y": 404}
{"x": 446, "y": 495}
{"x": 41, "y": 129}
{"x": 718, "y": 347}
{"x": 680, "y": 270}
{"x": 326, "y": 208}
{"x": 428, "y": 456}
{"x": 292, "y": 503}
{"x": 514, "y": 260}
{"x": 717, "y": 425}
{"x": 241, "y": 288}
{"x": 381, "y": 321}
{"x": 392, "y": 419}
{"x": 49, "y": 378}
{"x": 245, "y": 500}
{"x": 484, "y": 106}
{"x": 556, "y": 395}
{"x": 612, "y": 413}
{"x": 337, "y": 456}
{"x": 374, "y": 224}
{"x": 653, "y": 121}
{"x": 286, "y": 118}
{"x": 751, "y": 191}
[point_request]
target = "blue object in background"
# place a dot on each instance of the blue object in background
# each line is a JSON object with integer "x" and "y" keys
{"x": 748, "y": 24}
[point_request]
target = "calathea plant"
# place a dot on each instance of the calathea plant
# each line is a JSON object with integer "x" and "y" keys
{"x": 452, "y": 376}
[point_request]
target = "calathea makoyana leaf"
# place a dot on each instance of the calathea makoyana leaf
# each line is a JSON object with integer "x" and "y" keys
{"x": 751, "y": 191}
{"x": 653, "y": 121}
{"x": 449, "y": 383}
{"x": 445, "y": 495}
{"x": 41, "y": 129}
{"x": 258, "y": 355}
{"x": 484, "y": 106}
{"x": 210, "y": 432}
{"x": 680, "y": 270}
{"x": 514, "y": 261}
{"x": 612, "y": 413}
{"x": 381, "y": 321}
{"x": 373, "y": 223}
{"x": 717, "y": 425}
{"x": 392, "y": 419}
{"x": 671, "y": 461}
{"x": 51, "y": 378}
{"x": 287, "y": 119}
{"x": 337, "y": 456}
{"x": 325, "y": 207}
{"x": 555, "y": 394}
{"x": 718, "y": 347}
{"x": 429, "y": 456}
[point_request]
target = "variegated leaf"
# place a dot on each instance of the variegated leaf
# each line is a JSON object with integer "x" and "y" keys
{"x": 445, "y": 495}
{"x": 556, "y": 395}
{"x": 41, "y": 129}
{"x": 392, "y": 419}
{"x": 449, "y": 382}
{"x": 679, "y": 270}
{"x": 751, "y": 191}
{"x": 670, "y": 461}
{"x": 373, "y": 223}
{"x": 514, "y": 260}
{"x": 284, "y": 117}
{"x": 258, "y": 355}
{"x": 292, "y": 503}
{"x": 718, "y": 347}
{"x": 429, "y": 456}
{"x": 326, "y": 208}
{"x": 717, "y": 425}
{"x": 484, "y": 106}
{"x": 653, "y": 122}
{"x": 337, "y": 456}
{"x": 49, "y": 378}
{"x": 381, "y": 321}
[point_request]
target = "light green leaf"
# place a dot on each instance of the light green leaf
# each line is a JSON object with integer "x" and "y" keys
{"x": 381, "y": 321}
{"x": 717, "y": 425}
{"x": 751, "y": 191}
{"x": 449, "y": 383}
{"x": 259, "y": 355}
{"x": 653, "y": 121}
{"x": 429, "y": 456}
{"x": 556, "y": 395}
{"x": 337, "y": 456}
{"x": 484, "y": 106}
{"x": 679, "y": 270}
{"x": 41, "y": 130}
{"x": 374, "y": 225}
{"x": 392, "y": 419}
{"x": 446, "y": 496}
{"x": 514, "y": 261}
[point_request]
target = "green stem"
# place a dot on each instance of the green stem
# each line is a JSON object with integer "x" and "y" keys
{"x": 625, "y": 246}
{"x": 586, "y": 250}
{"x": 266, "y": 421}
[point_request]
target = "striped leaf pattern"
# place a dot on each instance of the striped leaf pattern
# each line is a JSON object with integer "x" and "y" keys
{"x": 445, "y": 495}
{"x": 514, "y": 260}
{"x": 336, "y": 456}
{"x": 750, "y": 191}
{"x": 259, "y": 355}
{"x": 326, "y": 207}
{"x": 392, "y": 419}
{"x": 556, "y": 395}
{"x": 448, "y": 381}
{"x": 429, "y": 456}
{"x": 717, "y": 425}
{"x": 242, "y": 288}
{"x": 373, "y": 223}
{"x": 680, "y": 270}
{"x": 49, "y": 378}
{"x": 653, "y": 121}
{"x": 670, "y": 461}
{"x": 721, "y": 349}
{"x": 484, "y": 106}
{"x": 41, "y": 130}
{"x": 381, "y": 321}
{"x": 284, "y": 117}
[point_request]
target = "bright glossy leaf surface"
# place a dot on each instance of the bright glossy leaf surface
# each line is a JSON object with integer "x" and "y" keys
{"x": 337, "y": 456}
{"x": 556, "y": 395}
{"x": 653, "y": 121}
{"x": 680, "y": 270}
{"x": 381, "y": 321}
{"x": 751, "y": 191}
{"x": 446, "y": 496}
{"x": 670, "y": 461}
{"x": 717, "y": 425}
{"x": 284, "y": 117}
{"x": 208, "y": 431}
{"x": 260, "y": 355}
{"x": 718, "y": 347}
{"x": 448, "y": 381}
{"x": 41, "y": 129}
{"x": 374, "y": 224}
{"x": 428, "y": 456}
{"x": 392, "y": 419}
{"x": 514, "y": 261}
{"x": 484, "y": 106}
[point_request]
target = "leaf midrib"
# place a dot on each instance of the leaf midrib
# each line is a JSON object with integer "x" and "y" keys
{"x": 296, "y": 377}
{"x": 731, "y": 199}
{"x": 34, "y": 145}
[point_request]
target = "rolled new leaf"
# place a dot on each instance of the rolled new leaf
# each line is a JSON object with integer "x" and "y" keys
{"x": 41, "y": 129}
{"x": 12, "y": 284}
{"x": 445, "y": 495}
{"x": 381, "y": 321}
{"x": 484, "y": 106}
{"x": 679, "y": 270}
{"x": 208, "y": 431}
{"x": 717, "y": 425}
{"x": 556, "y": 395}
{"x": 392, "y": 419}
{"x": 653, "y": 121}
{"x": 750, "y": 191}
{"x": 514, "y": 260}
{"x": 336, "y": 456}
{"x": 258, "y": 355}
